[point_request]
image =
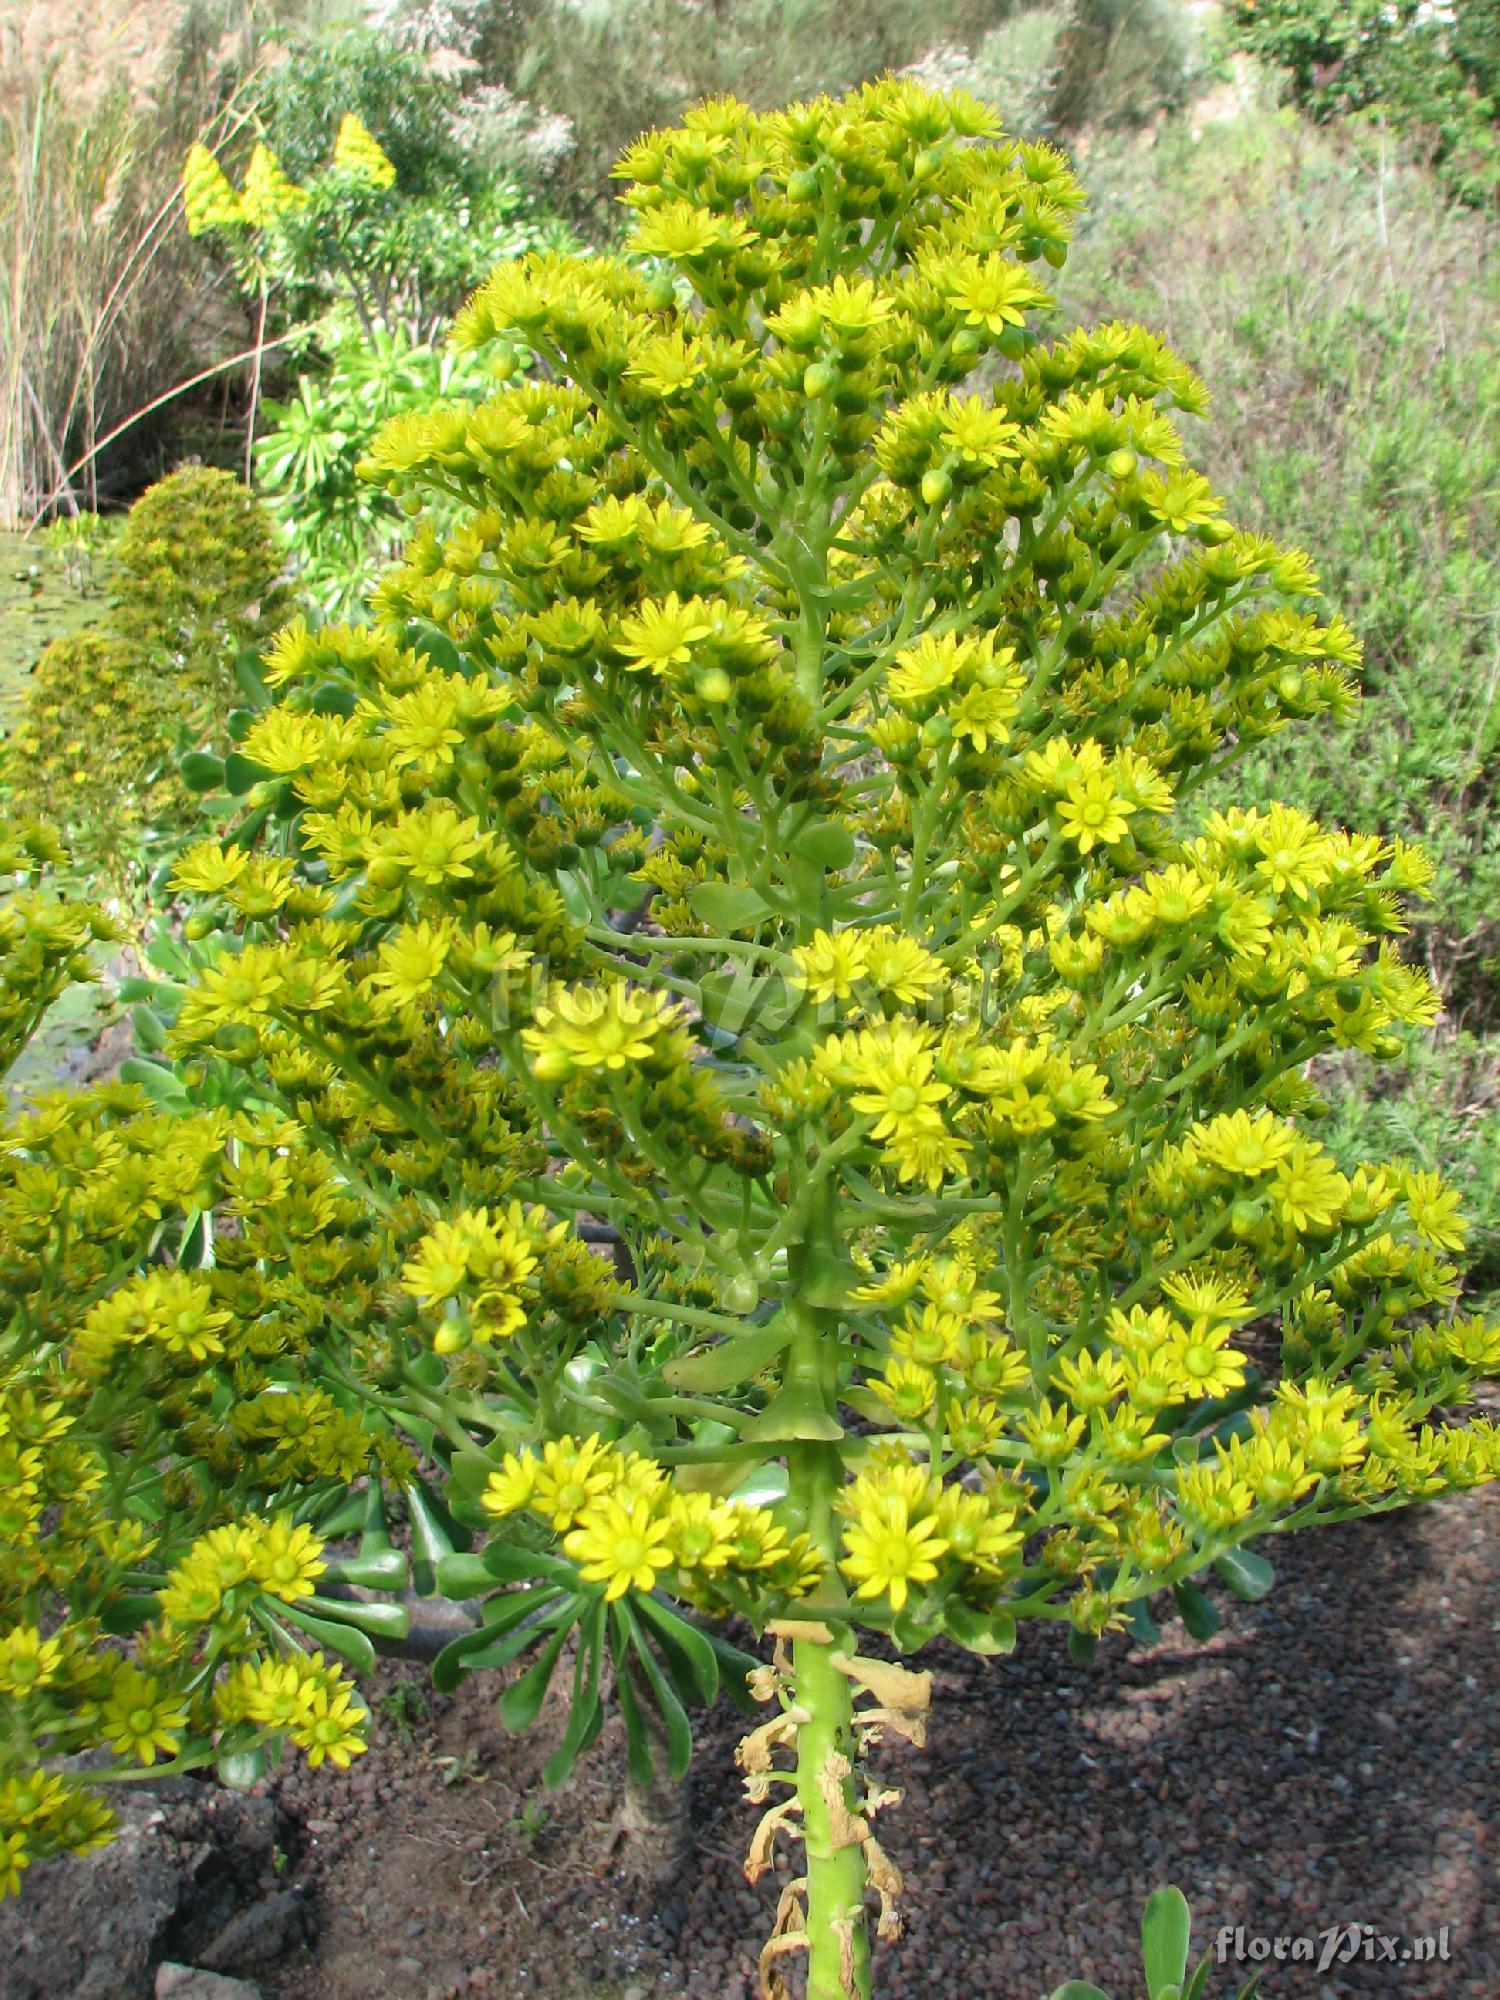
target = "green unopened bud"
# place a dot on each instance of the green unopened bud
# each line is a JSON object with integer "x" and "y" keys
{"x": 199, "y": 925}
{"x": 1246, "y": 1216}
{"x": 713, "y": 684}
{"x": 1121, "y": 464}
{"x": 926, "y": 164}
{"x": 818, "y": 380}
{"x": 739, "y": 1293}
{"x": 936, "y": 486}
{"x": 452, "y": 1337}
{"x": 802, "y": 185}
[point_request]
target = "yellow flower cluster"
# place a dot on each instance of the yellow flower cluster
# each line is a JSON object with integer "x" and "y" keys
{"x": 932, "y": 1094}
{"x": 356, "y": 151}
{"x": 485, "y": 1260}
{"x": 300, "y": 1697}
{"x": 209, "y": 199}
{"x": 45, "y": 945}
{"x": 173, "y": 1698}
{"x": 274, "y": 1557}
{"x": 622, "y": 1520}
{"x": 903, "y": 1528}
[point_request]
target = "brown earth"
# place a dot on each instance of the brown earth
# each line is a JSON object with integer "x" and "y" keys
{"x": 1328, "y": 1758}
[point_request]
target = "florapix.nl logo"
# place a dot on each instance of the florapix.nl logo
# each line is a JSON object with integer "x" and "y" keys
{"x": 1335, "y": 1944}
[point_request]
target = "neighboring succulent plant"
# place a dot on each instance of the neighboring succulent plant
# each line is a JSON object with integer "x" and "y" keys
{"x": 111, "y": 709}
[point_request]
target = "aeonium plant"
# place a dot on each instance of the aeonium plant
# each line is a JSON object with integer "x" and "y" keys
{"x": 162, "y": 1452}
{"x": 833, "y": 1112}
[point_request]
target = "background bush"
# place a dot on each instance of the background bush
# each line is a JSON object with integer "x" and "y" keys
{"x": 402, "y": 257}
{"x": 335, "y": 524}
{"x": 1433, "y": 71}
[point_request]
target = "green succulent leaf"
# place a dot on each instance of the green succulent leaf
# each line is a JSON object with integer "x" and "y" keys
{"x": 521, "y": 1703}
{"x": 730, "y": 1361}
{"x": 1247, "y": 1574}
{"x": 1166, "y": 1932}
{"x": 727, "y": 907}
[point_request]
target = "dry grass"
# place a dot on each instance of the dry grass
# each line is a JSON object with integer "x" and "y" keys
{"x": 97, "y": 279}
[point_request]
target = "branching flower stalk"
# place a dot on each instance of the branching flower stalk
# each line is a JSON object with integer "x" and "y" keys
{"x": 978, "y": 1257}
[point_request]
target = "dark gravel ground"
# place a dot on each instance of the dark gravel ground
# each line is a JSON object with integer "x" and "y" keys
{"x": 1329, "y": 1758}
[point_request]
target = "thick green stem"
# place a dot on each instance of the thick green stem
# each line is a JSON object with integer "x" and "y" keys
{"x": 827, "y": 1753}
{"x": 838, "y": 1944}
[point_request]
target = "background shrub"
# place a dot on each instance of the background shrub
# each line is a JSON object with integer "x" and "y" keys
{"x": 1433, "y": 71}
{"x": 335, "y": 524}
{"x": 613, "y": 68}
{"x": 402, "y": 256}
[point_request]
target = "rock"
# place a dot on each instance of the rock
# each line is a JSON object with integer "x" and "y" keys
{"x": 89, "y": 1926}
{"x": 187, "y": 1858}
{"x": 191, "y": 1982}
{"x": 259, "y": 1936}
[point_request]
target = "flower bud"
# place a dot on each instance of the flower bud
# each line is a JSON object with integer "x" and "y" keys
{"x": 1120, "y": 464}
{"x": 936, "y": 486}
{"x": 1245, "y": 1217}
{"x": 452, "y": 1337}
{"x": 739, "y": 1293}
{"x": 817, "y": 380}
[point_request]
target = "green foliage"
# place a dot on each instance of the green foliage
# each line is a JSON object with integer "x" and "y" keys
{"x": 381, "y": 260}
{"x": 397, "y": 94}
{"x": 1439, "y": 1108}
{"x": 80, "y": 541}
{"x": 398, "y": 236}
{"x": 1433, "y": 71}
{"x": 401, "y": 261}
{"x": 335, "y": 525}
{"x": 112, "y": 708}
